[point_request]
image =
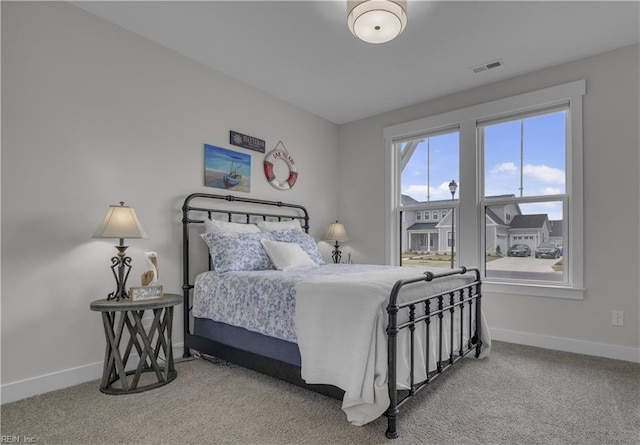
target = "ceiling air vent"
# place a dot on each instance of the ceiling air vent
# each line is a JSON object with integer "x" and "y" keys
{"x": 487, "y": 66}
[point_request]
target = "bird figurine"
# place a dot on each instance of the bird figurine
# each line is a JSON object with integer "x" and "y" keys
{"x": 150, "y": 277}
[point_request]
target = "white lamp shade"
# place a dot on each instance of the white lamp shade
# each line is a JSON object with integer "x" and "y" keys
{"x": 120, "y": 222}
{"x": 336, "y": 232}
{"x": 377, "y": 21}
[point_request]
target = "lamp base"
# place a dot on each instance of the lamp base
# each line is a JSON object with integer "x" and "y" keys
{"x": 336, "y": 254}
{"x": 123, "y": 265}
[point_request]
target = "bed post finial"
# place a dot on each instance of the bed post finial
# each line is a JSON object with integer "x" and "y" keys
{"x": 429, "y": 275}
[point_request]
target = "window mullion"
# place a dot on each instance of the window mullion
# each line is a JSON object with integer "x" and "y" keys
{"x": 468, "y": 235}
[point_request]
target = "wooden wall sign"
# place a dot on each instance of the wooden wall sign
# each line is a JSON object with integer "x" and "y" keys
{"x": 246, "y": 141}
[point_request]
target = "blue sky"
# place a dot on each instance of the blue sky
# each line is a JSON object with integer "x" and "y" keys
{"x": 543, "y": 164}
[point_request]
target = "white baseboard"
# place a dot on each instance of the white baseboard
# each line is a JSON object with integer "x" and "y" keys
{"x": 34, "y": 386}
{"x": 625, "y": 353}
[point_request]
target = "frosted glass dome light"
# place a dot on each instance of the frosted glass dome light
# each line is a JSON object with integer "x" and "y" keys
{"x": 377, "y": 21}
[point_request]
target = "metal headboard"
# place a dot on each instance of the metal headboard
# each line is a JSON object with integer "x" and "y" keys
{"x": 207, "y": 204}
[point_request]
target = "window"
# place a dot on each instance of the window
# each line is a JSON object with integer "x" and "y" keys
{"x": 524, "y": 158}
{"x": 519, "y": 164}
{"x": 428, "y": 163}
{"x": 418, "y": 216}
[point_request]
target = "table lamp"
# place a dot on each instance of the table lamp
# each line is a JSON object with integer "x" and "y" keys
{"x": 120, "y": 222}
{"x": 336, "y": 232}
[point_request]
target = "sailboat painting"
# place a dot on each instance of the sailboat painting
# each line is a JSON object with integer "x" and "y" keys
{"x": 227, "y": 169}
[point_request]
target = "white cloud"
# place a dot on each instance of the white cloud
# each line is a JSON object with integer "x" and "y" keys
{"x": 551, "y": 191}
{"x": 545, "y": 173}
{"x": 443, "y": 191}
{"x": 419, "y": 192}
{"x": 505, "y": 167}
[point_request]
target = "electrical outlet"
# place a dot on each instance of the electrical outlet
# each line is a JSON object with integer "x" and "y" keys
{"x": 617, "y": 318}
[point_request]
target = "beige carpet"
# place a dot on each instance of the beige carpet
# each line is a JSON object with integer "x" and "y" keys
{"x": 519, "y": 395}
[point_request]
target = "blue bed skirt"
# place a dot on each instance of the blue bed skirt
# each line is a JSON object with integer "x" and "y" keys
{"x": 241, "y": 338}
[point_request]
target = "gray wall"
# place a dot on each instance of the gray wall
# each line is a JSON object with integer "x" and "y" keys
{"x": 611, "y": 208}
{"x": 92, "y": 115}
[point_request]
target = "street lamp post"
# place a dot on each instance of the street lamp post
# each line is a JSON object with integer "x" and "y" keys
{"x": 453, "y": 187}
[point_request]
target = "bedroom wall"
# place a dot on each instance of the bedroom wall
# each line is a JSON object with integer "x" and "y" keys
{"x": 93, "y": 115}
{"x": 611, "y": 207}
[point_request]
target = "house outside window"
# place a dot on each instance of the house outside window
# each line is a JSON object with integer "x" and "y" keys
{"x": 533, "y": 143}
{"x": 525, "y": 168}
{"x": 427, "y": 166}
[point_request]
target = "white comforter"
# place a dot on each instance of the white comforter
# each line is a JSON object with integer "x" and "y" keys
{"x": 340, "y": 346}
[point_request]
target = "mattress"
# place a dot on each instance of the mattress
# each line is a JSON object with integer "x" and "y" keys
{"x": 260, "y": 318}
{"x": 262, "y": 301}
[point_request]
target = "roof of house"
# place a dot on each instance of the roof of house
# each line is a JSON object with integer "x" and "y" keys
{"x": 423, "y": 226}
{"x": 509, "y": 195}
{"x": 529, "y": 221}
{"x": 491, "y": 214}
{"x": 556, "y": 228}
{"x": 407, "y": 200}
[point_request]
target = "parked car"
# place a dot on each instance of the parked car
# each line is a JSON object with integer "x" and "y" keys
{"x": 519, "y": 250}
{"x": 548, "y": 250}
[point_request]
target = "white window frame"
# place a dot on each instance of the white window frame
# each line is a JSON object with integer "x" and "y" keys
{"x": 470, "y": 239}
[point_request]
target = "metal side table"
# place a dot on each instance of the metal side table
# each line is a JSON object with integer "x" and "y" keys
{"x": 148, "y": 343}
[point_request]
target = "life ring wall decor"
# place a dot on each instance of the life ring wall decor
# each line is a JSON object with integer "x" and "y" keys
{"x": 283, "y": 155}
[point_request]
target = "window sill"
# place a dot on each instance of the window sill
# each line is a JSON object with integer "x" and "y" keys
{"x": 534, "y": 290}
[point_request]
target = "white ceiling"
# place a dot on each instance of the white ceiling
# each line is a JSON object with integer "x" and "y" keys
{"x": 303, "y": 52}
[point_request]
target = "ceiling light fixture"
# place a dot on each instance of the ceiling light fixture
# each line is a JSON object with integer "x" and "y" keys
{"x": 377, "y": 21}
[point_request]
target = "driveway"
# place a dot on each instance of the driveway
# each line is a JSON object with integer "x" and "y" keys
{"x": 523, "y": 264}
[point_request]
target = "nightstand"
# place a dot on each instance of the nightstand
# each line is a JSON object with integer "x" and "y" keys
{"x": 152, "y": 370}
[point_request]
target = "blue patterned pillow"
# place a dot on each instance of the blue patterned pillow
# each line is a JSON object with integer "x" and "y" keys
{"x": 305, "y": 241}
{"x": 232, "y": 252}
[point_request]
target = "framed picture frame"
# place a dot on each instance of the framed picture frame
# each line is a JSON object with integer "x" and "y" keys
{"x": 227, "y": 169}
{"x": 143, "y": 293}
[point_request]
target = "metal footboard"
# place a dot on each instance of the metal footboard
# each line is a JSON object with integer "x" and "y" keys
{"x": 431, "y": 309}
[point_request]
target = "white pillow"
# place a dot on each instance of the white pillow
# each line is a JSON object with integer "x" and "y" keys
{"x": 272, "y": 226}
{"x": 304, "y": 240}
{"x": 287, "y": 256}
{"x": 214, "y": 226}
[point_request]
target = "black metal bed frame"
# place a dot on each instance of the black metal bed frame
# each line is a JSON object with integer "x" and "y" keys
{"x": 432, "y": 309}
